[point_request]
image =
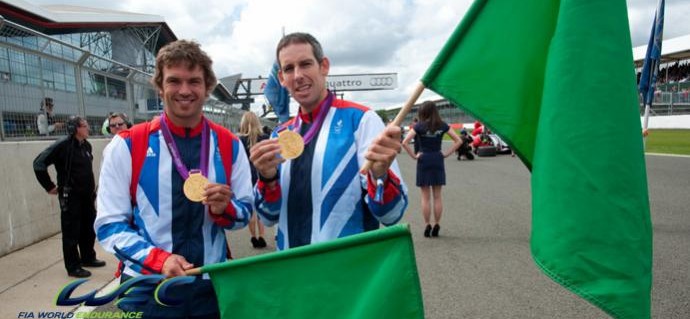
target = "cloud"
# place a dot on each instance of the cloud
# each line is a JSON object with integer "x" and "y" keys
{"x": 401, "y": 36}
{"x": 641, "y": 15}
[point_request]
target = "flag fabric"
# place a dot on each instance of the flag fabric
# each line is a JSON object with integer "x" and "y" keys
{"x": 368, "y": 275}
{"x": 277, "y": 96}
{"x": 653, "y": 56}
{"x": 556, "y": 80}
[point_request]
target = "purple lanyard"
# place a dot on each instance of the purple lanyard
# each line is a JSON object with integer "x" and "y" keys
{"x": 177, "y": 159}
{"x": 317, "y": 122}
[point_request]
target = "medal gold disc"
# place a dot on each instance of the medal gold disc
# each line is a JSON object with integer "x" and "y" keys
{"x": 291, "y": 144}
{"x": 194, "y": 187}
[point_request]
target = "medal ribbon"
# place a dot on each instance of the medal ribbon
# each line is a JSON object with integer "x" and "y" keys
{"x": 325, "y": 105}
{"x": 177, "y": 159}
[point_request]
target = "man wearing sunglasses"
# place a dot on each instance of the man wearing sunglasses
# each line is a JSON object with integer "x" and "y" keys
{"x": 118, "y": 122}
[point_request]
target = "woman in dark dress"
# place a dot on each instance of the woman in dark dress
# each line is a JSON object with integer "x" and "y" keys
{"x": 251, "y": 133}
{"x": 431, "y": 171}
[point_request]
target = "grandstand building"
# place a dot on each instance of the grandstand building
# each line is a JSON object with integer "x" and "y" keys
{"x": 89, "y": 61}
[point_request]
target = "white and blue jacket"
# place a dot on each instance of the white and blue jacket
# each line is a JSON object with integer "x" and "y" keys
{"x": 163, "y": 221}
{"x": 321, "y": 195}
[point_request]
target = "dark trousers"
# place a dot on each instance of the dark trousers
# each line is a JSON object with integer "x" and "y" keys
{"x": 77, "y": 215}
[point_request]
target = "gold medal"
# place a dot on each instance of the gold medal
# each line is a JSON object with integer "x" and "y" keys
{"x": 291, "y": 144}
{"x": 194, "y": 186}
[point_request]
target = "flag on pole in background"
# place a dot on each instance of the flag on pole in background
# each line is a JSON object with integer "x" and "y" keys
{"x": 653, "y": 57}
{"x": 556, "y": 80}
{"x": 277, "y": 96}
{"x": 368, "y": 275}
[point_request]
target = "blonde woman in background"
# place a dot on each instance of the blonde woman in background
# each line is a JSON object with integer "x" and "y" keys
{"x": 251, "y": 133}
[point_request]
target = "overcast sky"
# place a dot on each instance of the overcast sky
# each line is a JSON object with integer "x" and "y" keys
{"x": 401, "y": 36}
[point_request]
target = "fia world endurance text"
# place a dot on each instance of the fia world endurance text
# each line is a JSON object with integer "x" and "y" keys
{"x": 81, "y": 314}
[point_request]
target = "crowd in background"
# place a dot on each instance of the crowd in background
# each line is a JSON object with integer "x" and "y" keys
{"x": 672, "y": 77}
{"x": 675, "y": 73}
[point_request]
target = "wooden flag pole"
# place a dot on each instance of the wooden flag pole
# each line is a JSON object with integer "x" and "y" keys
{"x": 408, "y": 105}
{"x": 193, "y": 271}
{"x": 401, "y": 116}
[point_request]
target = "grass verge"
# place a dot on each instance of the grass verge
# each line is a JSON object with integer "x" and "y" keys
{"x": 668, "y": 141}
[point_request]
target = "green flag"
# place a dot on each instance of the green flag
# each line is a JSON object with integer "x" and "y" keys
{"x": 556, "y": 80}
{"x": 369, "y": 275}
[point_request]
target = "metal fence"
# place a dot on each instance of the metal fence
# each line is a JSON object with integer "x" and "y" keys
{"x": 669, "y": 103}
{"x": 34, "y": 66}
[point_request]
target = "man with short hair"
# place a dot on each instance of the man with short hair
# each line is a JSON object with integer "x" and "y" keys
{"x": 154, "y": 213}
{"x": 44, "y": 121}
{"x": 118, "y": 122}
{"x": 75, "y": 188}
{"x": 321, "y": 195}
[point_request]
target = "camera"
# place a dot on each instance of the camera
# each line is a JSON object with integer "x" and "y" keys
{"x": 65, "y": 191}
{"x": 64, "y": 197}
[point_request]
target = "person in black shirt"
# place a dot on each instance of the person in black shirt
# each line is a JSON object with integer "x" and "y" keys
{"x": 75, "y": 188}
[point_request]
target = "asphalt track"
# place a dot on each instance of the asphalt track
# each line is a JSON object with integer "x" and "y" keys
{"x": 481, "y": 266}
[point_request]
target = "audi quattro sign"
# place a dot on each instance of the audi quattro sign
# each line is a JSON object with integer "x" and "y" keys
{"x": 346, "y": 82}
{"x": 362, "y": 82}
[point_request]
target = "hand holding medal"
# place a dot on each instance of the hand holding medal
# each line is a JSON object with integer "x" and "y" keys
{"x": 291, "y": 144}
{"x": 217, "y": 197}
{"x": 268, "y": 154}
{"x": 195, "y": 186}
